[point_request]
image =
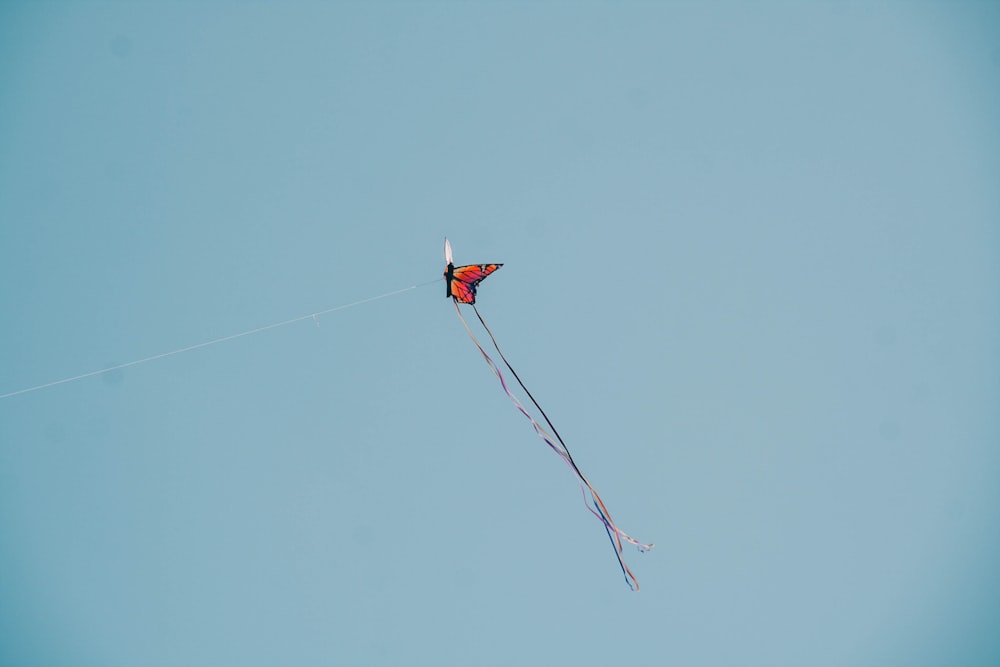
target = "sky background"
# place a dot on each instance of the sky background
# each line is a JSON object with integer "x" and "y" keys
{"x": 752, "y": 273}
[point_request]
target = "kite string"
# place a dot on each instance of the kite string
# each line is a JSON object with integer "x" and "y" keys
{"x": 215, "y": 341}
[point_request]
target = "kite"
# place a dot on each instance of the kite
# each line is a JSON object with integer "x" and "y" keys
{"x": 460, "y": 284}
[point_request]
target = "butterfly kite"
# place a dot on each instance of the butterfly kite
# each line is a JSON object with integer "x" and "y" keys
{"x": 461, "y": 283}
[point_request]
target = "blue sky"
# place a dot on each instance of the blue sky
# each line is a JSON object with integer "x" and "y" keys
{"x": 752, "y": 272}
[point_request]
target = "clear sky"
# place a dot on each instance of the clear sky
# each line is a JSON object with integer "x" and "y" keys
{"x": 752, "y": 272}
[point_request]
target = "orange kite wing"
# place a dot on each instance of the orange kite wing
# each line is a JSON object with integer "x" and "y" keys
{"x": 462, "y": 280}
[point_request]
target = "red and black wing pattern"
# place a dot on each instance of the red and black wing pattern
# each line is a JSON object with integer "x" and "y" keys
{"x": 462, "y": 280}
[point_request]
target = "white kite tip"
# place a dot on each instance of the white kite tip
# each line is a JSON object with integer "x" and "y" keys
{"x": 447, "y": 250}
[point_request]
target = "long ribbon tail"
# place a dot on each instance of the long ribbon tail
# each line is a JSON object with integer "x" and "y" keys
{"x": 539, "y": 429}
{"x": 556, "y": 443}
{"x": 596, "y": 498}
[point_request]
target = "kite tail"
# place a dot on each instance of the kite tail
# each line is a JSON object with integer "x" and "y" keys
{"x": 539, "y": 429}
{"x": 602, "y": 511}
{"x": 615, "y": 534}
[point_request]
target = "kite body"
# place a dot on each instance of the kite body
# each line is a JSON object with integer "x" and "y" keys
{"x": 461, "y": 281}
